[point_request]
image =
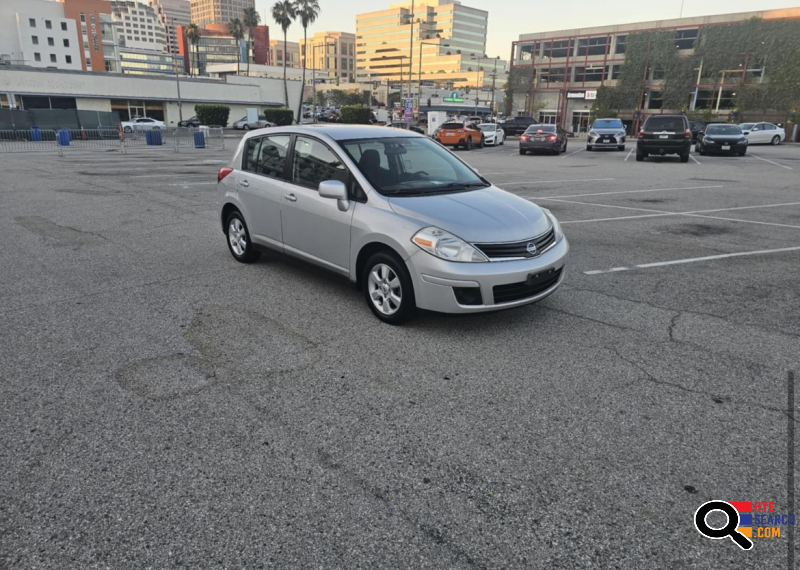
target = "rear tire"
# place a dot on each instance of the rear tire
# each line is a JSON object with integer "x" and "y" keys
{"x": 482, "y": 143}
{"x": 523, "y": 151}
{"x": 685, "y": 157}
{"x": 776, "y": 140}
{"x": 239, "y": 243}
{"x": 640, "y": 156}
{"x": 622, "y": 148}
{"x": 468, "y": 145}
{"x": 389, "y": 292}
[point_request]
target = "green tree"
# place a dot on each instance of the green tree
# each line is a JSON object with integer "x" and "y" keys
{"x": 250, "y": 19}
{"x": 193, "y": 35}
{"x": 307, "y": 11}
{"x": 236, "y": 30}
{"x": 283, "y": 14}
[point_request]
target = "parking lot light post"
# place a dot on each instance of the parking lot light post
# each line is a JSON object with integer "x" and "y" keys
{"x": 178, "y": 84}
{"x": 419, "y": 76}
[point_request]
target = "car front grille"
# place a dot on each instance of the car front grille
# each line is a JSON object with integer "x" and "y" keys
{"x": 607, "y": 139}
{"x": 518, "y": 249}
{"x": 538, "y": 283}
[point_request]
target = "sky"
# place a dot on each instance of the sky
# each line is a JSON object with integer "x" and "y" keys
{"x": 510, "y": 18}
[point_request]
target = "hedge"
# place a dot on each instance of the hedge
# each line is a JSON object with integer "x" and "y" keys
{"x": 281, "y": 117}
{"x": 356, "y": 114}
{"x": 212, "y": 115}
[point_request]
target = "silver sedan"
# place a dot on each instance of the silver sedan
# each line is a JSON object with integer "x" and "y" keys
{"x": 395, "y": 212}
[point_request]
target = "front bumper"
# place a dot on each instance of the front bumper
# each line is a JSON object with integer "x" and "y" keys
{"x": 717, "y": 148}
{"x": 601, "y": 141}
{"x": 434, "y": 279}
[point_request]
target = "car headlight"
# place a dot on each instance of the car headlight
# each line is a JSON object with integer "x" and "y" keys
{"x": 556, "y": 225}
{"x": 743, "y": 140}
{"x": 592, "y": 134}
{"x": 708, "y": 140}
{"x": 445, "y": 245}
{"x": 621, "y": 134}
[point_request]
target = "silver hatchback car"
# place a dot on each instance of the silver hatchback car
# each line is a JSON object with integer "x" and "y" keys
{"x": 398, "y": 214}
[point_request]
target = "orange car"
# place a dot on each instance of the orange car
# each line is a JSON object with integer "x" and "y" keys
{"x": 466, "y": 135}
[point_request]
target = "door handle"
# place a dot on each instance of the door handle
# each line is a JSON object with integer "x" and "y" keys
{"x": 290, "y": 197}
{"x": 244, "y": 183}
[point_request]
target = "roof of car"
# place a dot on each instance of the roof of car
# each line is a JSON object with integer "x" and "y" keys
{"x": 340, "y": 132}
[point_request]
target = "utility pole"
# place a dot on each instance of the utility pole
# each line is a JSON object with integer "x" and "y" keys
{"x": 177, "y": 80}
{"x": 411, "y": 49}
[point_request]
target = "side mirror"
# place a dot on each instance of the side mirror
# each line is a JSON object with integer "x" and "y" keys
{"x": 335, "y": 190}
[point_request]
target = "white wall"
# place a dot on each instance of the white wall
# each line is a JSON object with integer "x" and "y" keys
{"x": 86, "y": 104}
{"x": 16, "y": 34}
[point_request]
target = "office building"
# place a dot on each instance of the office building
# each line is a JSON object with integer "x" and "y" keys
{"x": 88, "y": 16}
{"x": 205, "y": 12}
{"x": 171, "y": 14}
{"x": 217, "y": 46}
{"x": 569, "y": 67}
{"x": 38, "y": 34}
{"x": 332, "y": 54}
{"x": 139, "y": 25}
{"x": 280, "y": 51}
{"x": 447, "y": 48}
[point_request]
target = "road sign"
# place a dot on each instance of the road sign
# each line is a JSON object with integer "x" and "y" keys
{"x": 408, "y": 107}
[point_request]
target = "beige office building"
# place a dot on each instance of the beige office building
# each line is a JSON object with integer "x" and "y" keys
{"x": 171, "y": 14}
{"x": 451, "y": 38}
{"x": 332, "y": 54}
{"x": 280, "y": 51}
{"x": 205, "y": 12}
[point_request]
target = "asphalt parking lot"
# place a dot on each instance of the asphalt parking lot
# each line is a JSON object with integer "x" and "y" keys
{"x": 167, "y": 407}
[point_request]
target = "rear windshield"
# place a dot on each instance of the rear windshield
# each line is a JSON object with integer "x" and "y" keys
{"x": 452, "y": 126}
{"x": 608, "y": 124}
{"x": 674, "y": 124}
{"x": 543, "y": 128}
{"x": 723, "y": 130}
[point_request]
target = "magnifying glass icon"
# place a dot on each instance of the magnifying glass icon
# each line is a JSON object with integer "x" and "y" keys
{"x": 729, "y": 529}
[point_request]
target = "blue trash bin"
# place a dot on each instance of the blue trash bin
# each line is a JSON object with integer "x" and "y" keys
{"x": 63, "y": 138}
{"x": 199, "y": 139}
{"x": 157, "y": 137}
{"x": 36, "y": 134}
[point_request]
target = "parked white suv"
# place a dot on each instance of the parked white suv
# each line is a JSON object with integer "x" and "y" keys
{"x": 395, "y": 212}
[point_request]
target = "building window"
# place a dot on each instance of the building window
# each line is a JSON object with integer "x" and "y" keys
{"x": 654, "y": 100}
{"x": 53, "y": 58}
{"x": 589, "y": 73}
{"x": 51, "y": 42}
{"x": 48, "y": 24}
{"x": 684, "y": 39}
{"x": 35, "y": 40}
{"x": 657, "y": 72}
{"x": 83, "y": 17}
{"x": 558, "y": 49}
{"x": 32, "y": 22}
{"x": 615, "y": 71}
{"x": 727, "y": 100}
{"x": 593, "y": 46}
{"x": 37, "y": 56}
{"x": 68, "y": 58}
{"x": 621, "y": 41}
{"x": 66, "y": 42}
{"x": 526, "y": 52}
{"x": 64, "y": 26}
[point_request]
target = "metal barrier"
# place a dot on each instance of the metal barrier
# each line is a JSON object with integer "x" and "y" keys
{"x": 31, "y": 140}
{"x": 89, "y": 139}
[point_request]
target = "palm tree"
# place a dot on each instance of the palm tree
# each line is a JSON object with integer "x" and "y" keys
{"x": 236, "y": 30}
{"x": 193, "y": 35}
{"x": 307, "y": 11}
{"x": 250, "y": 19}
{"x": 283, "y": 14}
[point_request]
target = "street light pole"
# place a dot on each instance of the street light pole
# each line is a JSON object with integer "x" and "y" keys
{"x": 177, "y": 81}
{"x": 410, "y": 50}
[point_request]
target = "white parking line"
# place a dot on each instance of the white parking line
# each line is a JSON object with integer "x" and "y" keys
{"x": 625, "y": 192}
{"x": 690, "y": 260}
{"x": 167, "y": 175}
{"x": 775, "y": 163}
{"x": 694, "y": 159}
{"x": 576, "y": 152}
{"x": 554, "y": 181}
{"x": 187, "y": 184}
{"x": 628, "y": 156}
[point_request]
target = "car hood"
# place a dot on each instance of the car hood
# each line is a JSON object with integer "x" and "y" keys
{"x": 479, "y": 216}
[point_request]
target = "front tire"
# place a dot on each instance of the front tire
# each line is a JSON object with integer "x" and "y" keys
{"x": 588, "y": 148}
{"x": 388, "y": 288}
{"x": 239, "y": 243}
{"x": 776, "y": 140}
{"x": 247, "y": 127}
{"x": 685, "y": 157}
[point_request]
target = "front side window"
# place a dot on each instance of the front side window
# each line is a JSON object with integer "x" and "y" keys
{"x": 314, "y": 162}
{"x": 412, "y": 166}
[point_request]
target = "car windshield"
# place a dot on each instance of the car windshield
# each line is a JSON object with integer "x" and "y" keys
{"x": 608, "y": 124}
{"x": 723, "y": 130}
{"x": 413, "y": 166}
{"x": 540, "y": 128}
{"x": 487, "y": 127}
{"x": 746, "y": 126}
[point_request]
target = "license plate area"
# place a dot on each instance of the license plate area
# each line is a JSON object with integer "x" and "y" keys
{"x": 663, "y": 136}
{"x": 726, "y": 147}
{"x": 538, "y": 138}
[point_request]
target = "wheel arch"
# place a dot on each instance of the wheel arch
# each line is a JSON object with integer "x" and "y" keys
{"x": 225, "y": 212}
{"x": 366, "y": 251}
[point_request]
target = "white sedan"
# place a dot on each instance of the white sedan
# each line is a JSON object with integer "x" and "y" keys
{"x": 492, "y": 134}
{"x": 142, "y": 124}
{"x": 763, "y": 133}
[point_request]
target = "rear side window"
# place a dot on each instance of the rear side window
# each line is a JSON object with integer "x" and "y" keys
{"x": 266, "y": 155}
{"x": 314, "y": 163}
{"x": 674, "y": 124}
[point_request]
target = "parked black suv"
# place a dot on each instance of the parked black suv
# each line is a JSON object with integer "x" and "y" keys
{"x": 517, "y": 125}
{"x": 664, "y": 134}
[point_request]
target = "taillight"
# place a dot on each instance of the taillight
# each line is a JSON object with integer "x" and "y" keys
{"x": 552, "y": 137}
{"x": 223, "y": 172}
{"x": 641, "y": 134}
{"x": 688, "y": 133}
{"x": 524, "y": 138}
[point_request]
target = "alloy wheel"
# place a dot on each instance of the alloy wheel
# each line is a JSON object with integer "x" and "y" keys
{"x": 237, "y": 237}
{"x": 385, "y": 290}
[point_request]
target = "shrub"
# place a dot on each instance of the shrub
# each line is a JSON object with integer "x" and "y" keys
{"x": 281, "y": 117}
{"x": 212, "y": 115}
{"x": 356, "y": 114}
